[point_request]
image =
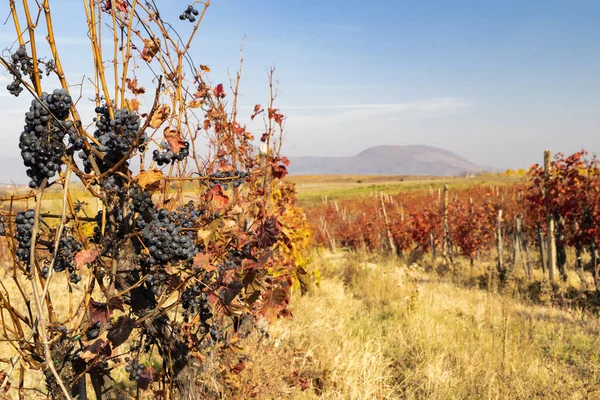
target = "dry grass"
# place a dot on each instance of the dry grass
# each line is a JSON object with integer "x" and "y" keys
{"x": 381, "y": 330}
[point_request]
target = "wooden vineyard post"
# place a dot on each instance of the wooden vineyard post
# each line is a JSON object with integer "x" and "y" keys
{"x": 542, "y": 245}
{"x": 390, "y": 238}
{"x": 550, "y": 237}
{"x": 445, "y": 241}
{"x": 499, "y": 244}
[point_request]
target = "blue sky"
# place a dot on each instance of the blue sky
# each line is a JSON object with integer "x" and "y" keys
{"x": 495, "y": 81}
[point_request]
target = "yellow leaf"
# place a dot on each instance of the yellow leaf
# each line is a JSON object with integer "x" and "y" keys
{"x": 209, "y": 232}
{"x": 195, "y": 104}
{"x": 160, "y": 116}
{"x": 205, "y": 68}
{"x": 150, "y": 180}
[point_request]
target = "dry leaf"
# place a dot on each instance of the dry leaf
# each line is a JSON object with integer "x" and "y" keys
{"x": 132, "y": 85}
{"x": 150, "y": 180}
{"x": 203, "y": 261}
{"x": 85, "y": 257}
{"x": 195, "y": 103}
{"x": 205, "y": 68}
{"x": 208, "y": 232}
{"x": 160, "y": 116}
{"x": 219, "y": 91}
{"x": 174, "y": 139}
{"x": 151, "y": 48}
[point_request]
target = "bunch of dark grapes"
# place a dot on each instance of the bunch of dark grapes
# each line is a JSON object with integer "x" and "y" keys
{"x": 165, "y": 240}
{"x": 187, "y": 215}
{"x": 134, "y": 368}
{"x": 67, "y": 248}
{"x": 156, "y": 282}
{"x": 190, "y": 14}
{"x": 21, "y": 61}
{"x": 24, "y": 226}
{"x": 195, "y": 302}
{"x": 15, "y": 87}
{"x": 116, "y": 136}
{"x": 168, "y": 156}
{"x": 41, "y": 142}
{"x": 223, "y": 178}
{"x": 141, "y": 200}
{"x": 2, "y": 225}
{"x": 21, "y": 65}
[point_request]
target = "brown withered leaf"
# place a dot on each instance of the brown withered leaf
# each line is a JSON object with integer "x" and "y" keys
{"x": 206, "y": 124}
{"x": 274, "y": 302}
{"x": 85, "y": 257}
{"x": 151, "y": 48}
{"x": 173, "y": 137}
{"x": 160, "y": 116}
{"x": 257, "y": 110}
{"x": 150, "y": 180}
{"x": 205, "y": 68}
{"x": 203, "y": 261}
{"x": 218, "y": 197}
{"x": 231, "y": 291}
{"x": 132, "y": 85}
{"x": 99, "y": 312}
{"x": 98, "y": 349}
{"x": 119, "y": 331}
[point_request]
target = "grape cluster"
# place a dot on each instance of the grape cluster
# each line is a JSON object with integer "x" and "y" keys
{"x": 165, "y": 240}
{"x": 2, "y": 225}
{"x": 115, "y": 135}
{"x": 141, "y": 200}
{"x": 67, "y": 248}
{"x": 134, "y": 368}
{"x": 41, "y": 142}
{"x": 190, "y": 14}
{"x": 168, "y": 156}
{"x": 21, "y": 65}
{"x": 156, "y": 282}
{"x": 24, "y": 222}
{"x": 236, "y": 178}
{"x": 15, "y": 87}
{"x": 194, "y": 302}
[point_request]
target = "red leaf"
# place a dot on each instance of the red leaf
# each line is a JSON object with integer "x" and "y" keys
{"x": 85, "y": 257}
{"x": 219, "y": 91}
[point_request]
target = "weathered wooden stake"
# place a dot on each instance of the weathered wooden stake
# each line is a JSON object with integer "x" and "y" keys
{"x": 550, "y": 236}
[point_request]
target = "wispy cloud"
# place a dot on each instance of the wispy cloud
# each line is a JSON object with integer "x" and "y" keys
{"x": 442, "y": 103}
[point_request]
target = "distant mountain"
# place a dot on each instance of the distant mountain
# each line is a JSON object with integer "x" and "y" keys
{"x": 387, "y": 160}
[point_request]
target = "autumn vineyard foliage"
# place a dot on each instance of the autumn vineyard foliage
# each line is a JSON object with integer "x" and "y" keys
{"x": 183, "y": 254}
{"x": 481, "y": 220}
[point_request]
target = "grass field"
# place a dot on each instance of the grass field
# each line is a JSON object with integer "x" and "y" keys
{"x": 313, "y": 188}
{"x": 377, "y": 329}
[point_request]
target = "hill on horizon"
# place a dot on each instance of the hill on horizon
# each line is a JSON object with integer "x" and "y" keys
{"x": 388, "y": 160}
